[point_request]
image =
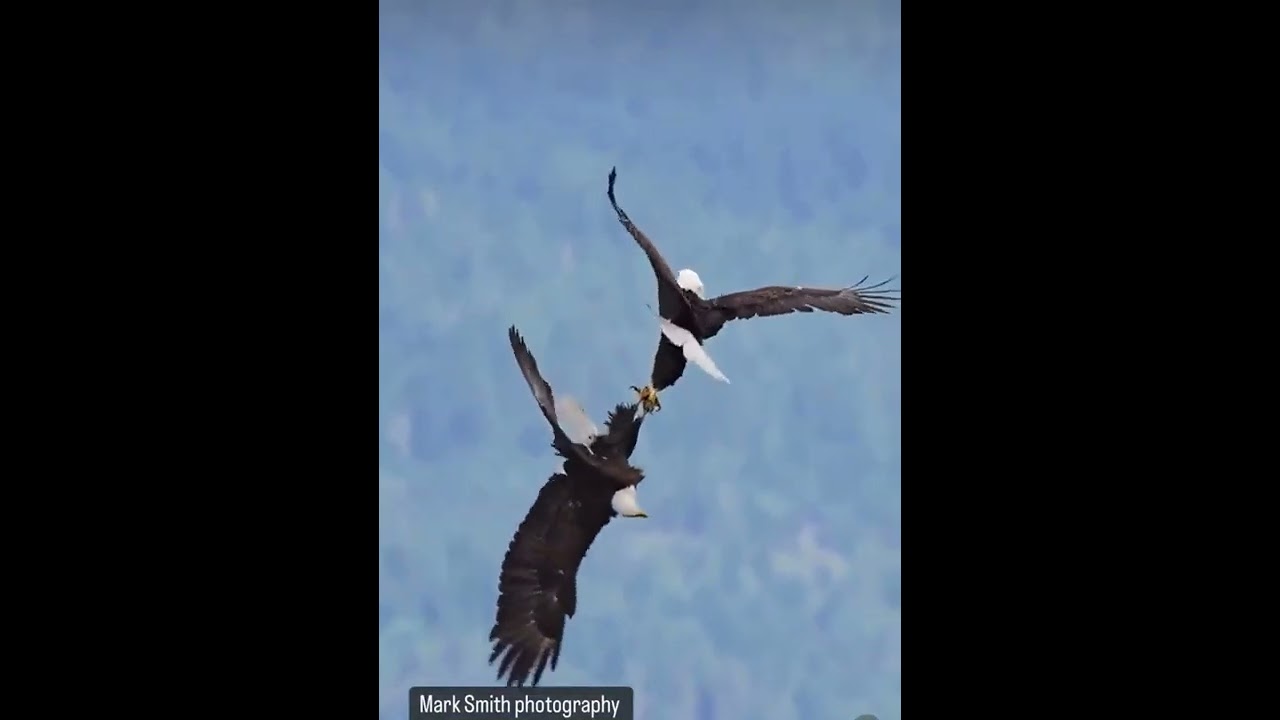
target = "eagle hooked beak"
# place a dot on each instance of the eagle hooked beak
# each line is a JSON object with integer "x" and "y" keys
{"x": 648, "y": 398}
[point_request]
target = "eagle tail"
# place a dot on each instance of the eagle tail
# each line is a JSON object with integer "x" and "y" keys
{"x": 692, "y": 349}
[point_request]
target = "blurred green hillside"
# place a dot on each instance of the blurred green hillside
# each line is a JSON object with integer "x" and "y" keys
{"x": 754, "y": 147}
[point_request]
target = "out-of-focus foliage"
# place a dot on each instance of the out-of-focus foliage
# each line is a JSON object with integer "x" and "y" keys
{"x": 757, "y": 143}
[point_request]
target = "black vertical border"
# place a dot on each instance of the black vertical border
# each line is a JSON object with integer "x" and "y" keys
{"x": 255, "y": 591}
{"x": 992, "y": 442}
{"x": 320, "y": 343}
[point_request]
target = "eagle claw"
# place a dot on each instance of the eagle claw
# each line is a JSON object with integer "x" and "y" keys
{"x": 648, "y": 399}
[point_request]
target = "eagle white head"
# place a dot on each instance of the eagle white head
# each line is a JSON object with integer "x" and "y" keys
{"x": 624, "y": 503}
{"x": 689, "y": 280}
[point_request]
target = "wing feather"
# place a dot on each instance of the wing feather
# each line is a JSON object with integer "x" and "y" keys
{"x": 537, "y": 384}
{"x": 780, "y": 300}
{"x": 624, "y": 429}
{"x": 672, "y": 303}
{"x": 537, "y": 588}
{"x": 565, "y": 447}
{"x": 576, "y": 455}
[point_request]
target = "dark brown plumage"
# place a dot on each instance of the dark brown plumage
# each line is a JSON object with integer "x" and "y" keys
{"x": 704, "y": 318}
{"x": 537, "y": 589}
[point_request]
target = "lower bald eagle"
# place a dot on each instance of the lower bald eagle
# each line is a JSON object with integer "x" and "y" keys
{"x": 688, "y": 318}
{"x": 537, "y": 589}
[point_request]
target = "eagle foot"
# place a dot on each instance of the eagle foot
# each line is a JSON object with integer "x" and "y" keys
{"x": 648, "y": 398}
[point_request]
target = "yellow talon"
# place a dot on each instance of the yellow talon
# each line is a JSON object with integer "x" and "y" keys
{"x": 648, "y": 398}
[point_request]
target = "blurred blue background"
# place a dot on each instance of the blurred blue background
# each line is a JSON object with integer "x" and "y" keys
{"x": 757, "y": 143}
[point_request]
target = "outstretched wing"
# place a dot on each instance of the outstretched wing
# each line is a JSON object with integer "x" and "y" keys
{"x": 541, "y": 393}
{"x": 537, "y": 588}
{"x": 672, "y": 303}
{"x": 778, "y": 300}
{"x": 529, "y": 368}
{"x": 624, "y": 429}
{"x": 575, "y": 454}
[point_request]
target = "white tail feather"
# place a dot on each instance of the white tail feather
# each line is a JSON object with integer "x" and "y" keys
{"x": 693, "y": 350}
{"x": 624, "y": 502}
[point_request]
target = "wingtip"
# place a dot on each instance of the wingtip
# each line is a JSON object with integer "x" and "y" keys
{"x": 878, "y": 287}
{"x": 875, "y": 299}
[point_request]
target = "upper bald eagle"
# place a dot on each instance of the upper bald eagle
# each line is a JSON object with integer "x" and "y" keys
{"x": 688, "y": 318}
{"x": 537, "y": 589}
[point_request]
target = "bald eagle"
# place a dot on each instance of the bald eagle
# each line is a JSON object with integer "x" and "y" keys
{"x": 537, "y": 588}
{"x": 687, "y": 318}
